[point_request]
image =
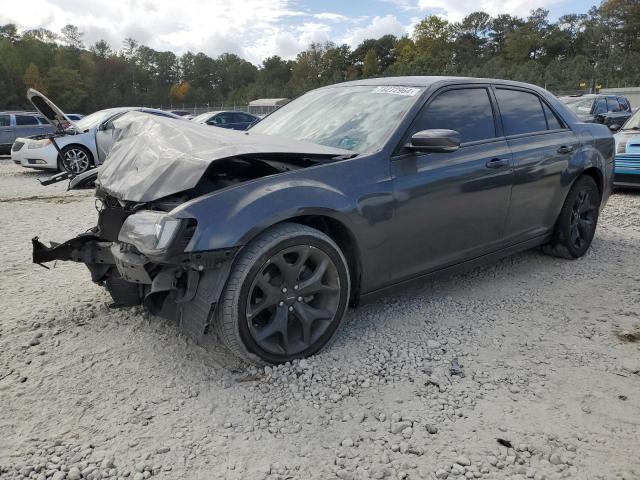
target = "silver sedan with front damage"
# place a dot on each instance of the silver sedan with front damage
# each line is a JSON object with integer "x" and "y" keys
{"x": 75, "y": 146}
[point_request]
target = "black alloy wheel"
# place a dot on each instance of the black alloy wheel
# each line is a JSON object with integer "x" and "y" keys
{"x": 292, "y": 300}
{"x": 583, "y": 219}
{"x": 286, "y": 295}
{"x": 577, "y": 222}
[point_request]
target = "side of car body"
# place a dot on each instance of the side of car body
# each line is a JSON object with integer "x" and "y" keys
{"x": 610, "y": 110}
{"x": 515, "y": 167}
{"x": 21, "y": 124}
{"x": 91, "y": 144}
{"x": 228, "y": 119}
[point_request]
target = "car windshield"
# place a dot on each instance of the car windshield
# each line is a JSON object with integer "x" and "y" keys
{"x": 95, "y": 119}
{"x": 633, "y": 123}
{"x": 203, "y": 117}
{"x": 579, "y": 106}
{"x": 357, "y": 118}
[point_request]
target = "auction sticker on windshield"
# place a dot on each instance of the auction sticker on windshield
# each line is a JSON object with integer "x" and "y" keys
{"x": 405, "y": 91}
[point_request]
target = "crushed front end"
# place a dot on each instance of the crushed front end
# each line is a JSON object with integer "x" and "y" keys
{"x": 137, "y": 252}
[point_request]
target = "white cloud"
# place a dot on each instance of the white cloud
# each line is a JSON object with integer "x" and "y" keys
{"x": 334, "y": 17}
{"x": 211, "y": 26}
{"x": 378, "y": 27}
{"x": 456, "y": 10}
{"x": 253, "y": 29}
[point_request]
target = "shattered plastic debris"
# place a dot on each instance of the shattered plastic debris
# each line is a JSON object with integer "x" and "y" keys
{"x": 456, "y": 368}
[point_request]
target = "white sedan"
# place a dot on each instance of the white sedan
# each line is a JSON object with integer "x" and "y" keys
{"x": 76, "y": 146}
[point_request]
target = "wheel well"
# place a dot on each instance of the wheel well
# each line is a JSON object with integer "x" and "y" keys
{"x": 343, "y": 237}
{"x": 596, "y": 174}
{"x": 91, "y": 160}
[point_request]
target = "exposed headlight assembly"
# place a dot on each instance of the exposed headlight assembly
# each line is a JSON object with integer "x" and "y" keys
{"x": 38, "y": 143}
{"x": 150, "y": 232}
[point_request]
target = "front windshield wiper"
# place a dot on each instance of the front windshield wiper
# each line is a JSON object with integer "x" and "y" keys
{"x": 630, "y": 128}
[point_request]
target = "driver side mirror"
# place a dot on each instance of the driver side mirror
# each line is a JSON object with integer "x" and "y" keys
{"x": 614, "y": 127}
{"x": 435, "y": 140}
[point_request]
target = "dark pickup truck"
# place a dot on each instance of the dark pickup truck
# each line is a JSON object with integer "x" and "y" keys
{"x": 610, "y": 110}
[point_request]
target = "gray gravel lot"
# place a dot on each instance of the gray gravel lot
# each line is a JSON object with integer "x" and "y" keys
{"x": 545, "y": 382}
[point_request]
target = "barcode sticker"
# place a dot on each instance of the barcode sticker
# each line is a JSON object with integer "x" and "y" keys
{"x": 405, "y": 91}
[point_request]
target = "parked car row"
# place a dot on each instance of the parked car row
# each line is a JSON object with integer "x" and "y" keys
{"x": 615, "y": 112}
{"x": 610, "y": 110}
{"x": 75, "y": 144}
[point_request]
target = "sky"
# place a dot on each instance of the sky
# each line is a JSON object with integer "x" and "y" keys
{"x": 253, "y": 29}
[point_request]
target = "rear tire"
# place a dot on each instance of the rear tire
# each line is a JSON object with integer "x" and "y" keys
{"x": 576, "y": 225}
{"x": 286, "y": 296}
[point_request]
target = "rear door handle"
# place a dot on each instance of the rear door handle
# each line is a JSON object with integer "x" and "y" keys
{"x": 565, "y": 149}
{"x": 497, "y": 163}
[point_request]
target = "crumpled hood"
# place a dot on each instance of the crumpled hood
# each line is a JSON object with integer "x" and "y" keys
{"x": 153, "y": 157}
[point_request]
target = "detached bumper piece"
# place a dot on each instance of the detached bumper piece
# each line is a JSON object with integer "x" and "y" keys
{"x": 85, "y": 248}
{"x": 185, "y": 289}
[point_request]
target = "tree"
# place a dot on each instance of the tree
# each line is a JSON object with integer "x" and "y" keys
{"x": 101, "y": 49}
{"x": 66, "y": 88}
{"x": 129, "y": 47}
{"x": 179, "y": 91}
{"x": 71, "y": 36}
{"x": 32, "y": 79}
{"x": 9, "y": 32}
{"x": 370, "y": 67}
{"x": 432, "y": 37}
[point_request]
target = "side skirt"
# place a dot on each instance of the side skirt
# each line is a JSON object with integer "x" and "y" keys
{"x": 454, "y": 269}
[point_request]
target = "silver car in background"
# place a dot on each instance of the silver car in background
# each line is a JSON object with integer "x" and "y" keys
{"x": 73, "y": 146}
{"x": 21, "y": 124}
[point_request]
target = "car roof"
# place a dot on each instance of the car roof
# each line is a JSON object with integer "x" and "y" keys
{"x": 140, "y": 109}
{"x": 426, "y": 81}
{"x": 215, "y": 112}
{"x": 18, "y": 112}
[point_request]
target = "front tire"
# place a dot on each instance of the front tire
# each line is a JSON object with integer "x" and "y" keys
{"x": 74, "y": 159}
{"x": 576, "y": 225}
{"x": 286, "y": 296}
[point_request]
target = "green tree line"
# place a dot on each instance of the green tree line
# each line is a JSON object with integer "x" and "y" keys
{"x": 578, "y": 51}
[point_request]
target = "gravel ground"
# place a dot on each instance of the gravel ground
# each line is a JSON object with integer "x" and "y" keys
{"x": 529, "y": 368}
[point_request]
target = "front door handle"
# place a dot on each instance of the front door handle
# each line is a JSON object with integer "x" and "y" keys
{"x": 497, "y": 163}
{"x": 565, "y": 149}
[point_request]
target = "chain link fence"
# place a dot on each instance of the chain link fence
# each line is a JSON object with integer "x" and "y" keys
{"x": 214, "y": 107}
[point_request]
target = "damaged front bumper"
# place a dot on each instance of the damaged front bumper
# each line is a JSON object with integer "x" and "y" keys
{"x": 184, "y": 288}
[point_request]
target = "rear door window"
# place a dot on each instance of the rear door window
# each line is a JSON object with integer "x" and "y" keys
{"x": 553, "y": 123}
{"x": 624, "y": 104}
{"x": 466, "y": 110}
{"x": 521, "y": 112}
{"x": 612, "y": 104}
{"x": 22, "y": 120}
{"x": 5, "y": 121}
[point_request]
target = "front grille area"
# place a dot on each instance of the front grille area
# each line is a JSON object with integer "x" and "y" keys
{"x": 627, "y": 161}
{"x": 17, "y": 146}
